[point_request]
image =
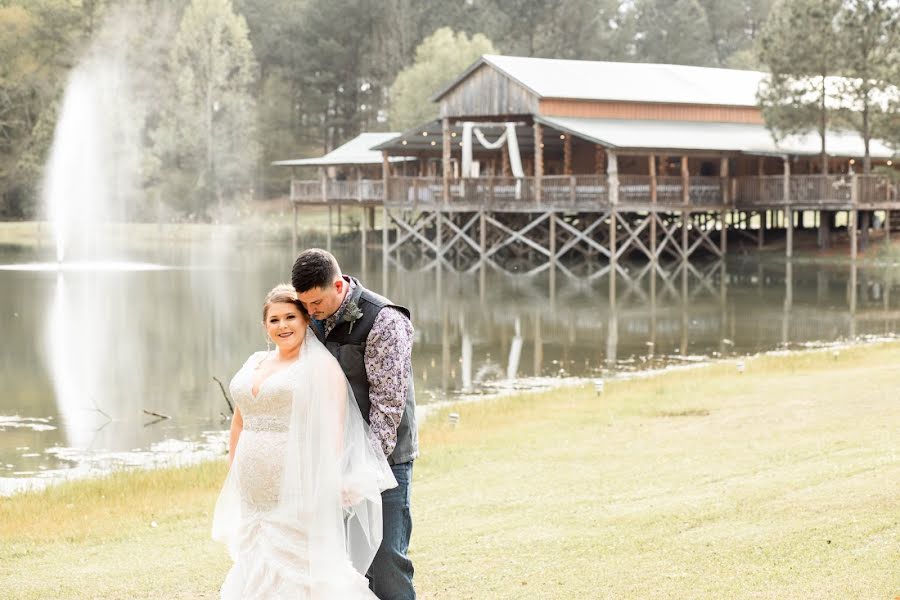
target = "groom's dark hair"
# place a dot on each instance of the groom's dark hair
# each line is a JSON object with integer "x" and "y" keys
{"x": 314, "y": 268}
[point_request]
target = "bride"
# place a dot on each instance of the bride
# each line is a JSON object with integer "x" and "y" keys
{"x": 300, "y": 510}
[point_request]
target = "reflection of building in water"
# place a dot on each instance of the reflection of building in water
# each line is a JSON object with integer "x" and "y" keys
{"x": 652, "y": 314}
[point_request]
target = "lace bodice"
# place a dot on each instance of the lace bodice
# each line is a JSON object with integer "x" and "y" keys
{"x": 270, "y": 408}
{"x": 259, "y": 456}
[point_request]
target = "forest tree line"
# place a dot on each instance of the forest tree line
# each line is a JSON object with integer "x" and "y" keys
{"x": 228, "y": 86}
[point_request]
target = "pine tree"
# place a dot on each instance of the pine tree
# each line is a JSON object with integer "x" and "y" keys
{"x": 799, "y": 46}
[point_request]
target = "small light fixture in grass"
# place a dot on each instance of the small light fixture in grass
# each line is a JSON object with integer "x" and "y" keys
{"x": 453, "y": 418}
{"x": 598, "y": 385}
{"x": 835, "y": 354}
{"x": 740, "y": 366}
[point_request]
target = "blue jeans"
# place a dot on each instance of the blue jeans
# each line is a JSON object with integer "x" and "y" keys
{"x": 391, "y": 573}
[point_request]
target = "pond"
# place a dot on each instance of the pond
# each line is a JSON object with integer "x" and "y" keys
{"x": 86, "y": 352}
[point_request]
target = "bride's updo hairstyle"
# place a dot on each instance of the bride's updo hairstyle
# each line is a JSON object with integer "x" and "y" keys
{"x": 283, "y": 293}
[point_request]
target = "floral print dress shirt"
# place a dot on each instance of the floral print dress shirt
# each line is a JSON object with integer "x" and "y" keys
{"x": 388, "y": 362}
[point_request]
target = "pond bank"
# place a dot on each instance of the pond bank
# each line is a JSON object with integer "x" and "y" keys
{"x": 709, "y": 482}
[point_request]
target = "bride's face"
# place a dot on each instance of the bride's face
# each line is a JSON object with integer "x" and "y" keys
{"x": 286, "y": 326}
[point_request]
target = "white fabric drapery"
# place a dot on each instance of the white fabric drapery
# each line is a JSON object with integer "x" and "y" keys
{"x": 508, "y": 137}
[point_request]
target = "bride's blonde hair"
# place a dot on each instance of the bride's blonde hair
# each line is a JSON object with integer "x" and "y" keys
{"x": 283, "y": 292}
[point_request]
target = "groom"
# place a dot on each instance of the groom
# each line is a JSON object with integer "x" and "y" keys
{"x": 371, "y": 337}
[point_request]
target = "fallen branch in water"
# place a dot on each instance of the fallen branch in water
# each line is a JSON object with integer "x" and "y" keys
{"x": 225, "y": 395}
{"x": 156, "y": 414}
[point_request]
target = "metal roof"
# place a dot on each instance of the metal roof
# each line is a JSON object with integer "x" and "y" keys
{"x": 357, "y": 151}
{"x": 724, "y": 137}
{"x": 625, "y": 82}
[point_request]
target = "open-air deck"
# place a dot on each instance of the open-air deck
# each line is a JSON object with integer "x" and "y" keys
{"x": 592, "y": 192}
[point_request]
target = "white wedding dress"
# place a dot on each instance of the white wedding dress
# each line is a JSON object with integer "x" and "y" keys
{"x": 300, "y": 510}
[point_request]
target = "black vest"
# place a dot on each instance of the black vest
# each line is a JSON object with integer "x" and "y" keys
{"x": 348, "y": 345}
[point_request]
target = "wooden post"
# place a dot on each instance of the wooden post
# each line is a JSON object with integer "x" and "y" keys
{"x": 789, "y": 222}
{"x": 723, "y": 174}
{"x": 887, "y": 226}
{"x": 482, "y": 248}
{"x": 328, "y": 233}
{"x": 726, "y": 200}
{"x": 852, "y": 216}
{"x": 385, "y": 219}
{"x": 612, "y": 177}
{"x": 294, "y": 238}
{"x": 445, "y": 161}
{"x": 599, "y": 160}
{"x": 567, "y": 155}
{"x": 761, "y": 234}
{"x": 653, "y": 197}
{"x": 786, "y": 198}
{"x": 685, "y": 181}
{"x": 552, "y": 245}
{"x": 538, "y": 160}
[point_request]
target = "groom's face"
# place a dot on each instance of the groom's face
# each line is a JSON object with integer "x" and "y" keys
{"x": 322, "y": 302}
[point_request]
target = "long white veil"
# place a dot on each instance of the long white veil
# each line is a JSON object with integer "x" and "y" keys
{"x": 328, "y": 505}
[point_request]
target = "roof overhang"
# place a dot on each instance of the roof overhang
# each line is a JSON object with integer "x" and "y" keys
{"x": 693, "y": 136}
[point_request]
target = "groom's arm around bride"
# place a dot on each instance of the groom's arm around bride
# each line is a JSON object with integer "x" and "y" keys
{"x": 371, "y": 337}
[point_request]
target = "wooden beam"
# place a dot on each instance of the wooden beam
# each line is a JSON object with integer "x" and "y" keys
{"x": 538, "y": 159}
{"x": 685, "y": 181}
{"x": 567, "y": 155}
{"x": 652, "y": 167}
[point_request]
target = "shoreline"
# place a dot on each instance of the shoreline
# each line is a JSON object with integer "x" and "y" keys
{"x": 700, "y": 480}
{"x": 206, "y": 450}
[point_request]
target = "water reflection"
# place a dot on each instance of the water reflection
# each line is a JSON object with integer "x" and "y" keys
{"x": 118, "y": 343}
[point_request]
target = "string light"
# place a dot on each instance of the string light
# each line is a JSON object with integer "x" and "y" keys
{"x": 403, "y": 142}
{"x": 424, "y": 134}
{"x": 562, "y": 136}
{"x": 433, "y": 142}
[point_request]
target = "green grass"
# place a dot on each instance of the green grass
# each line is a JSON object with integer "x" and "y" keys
{"x": 781, "y": 482}
{"x": 270, "y": 221}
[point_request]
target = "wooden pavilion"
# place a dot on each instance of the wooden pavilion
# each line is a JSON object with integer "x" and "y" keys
{"x": 611, "y": 159}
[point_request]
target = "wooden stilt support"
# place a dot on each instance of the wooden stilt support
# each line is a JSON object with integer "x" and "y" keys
{"x": 538, "y": 160}
{"x": 385, "y": 220}
{"x": 852, "y": 216}
{"x": 653, "y": 215}
{"x": 789, "y": 236}
{"x": 552, "y": 243}
{"x": 294, "y": 240}
{"x": 328, "y": 232}
{"x": 362, "y": 244}
{"x": 723, "y": 233}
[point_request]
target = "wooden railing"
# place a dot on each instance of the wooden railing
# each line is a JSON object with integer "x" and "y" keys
{"x": 837, "y": 191}
{"x": 592, "y": 191}
{"x": 359, "y": 190}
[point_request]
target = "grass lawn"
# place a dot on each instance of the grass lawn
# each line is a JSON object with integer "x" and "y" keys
{"x": 781, "y": 482}
{"x": 263, "y": 221}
